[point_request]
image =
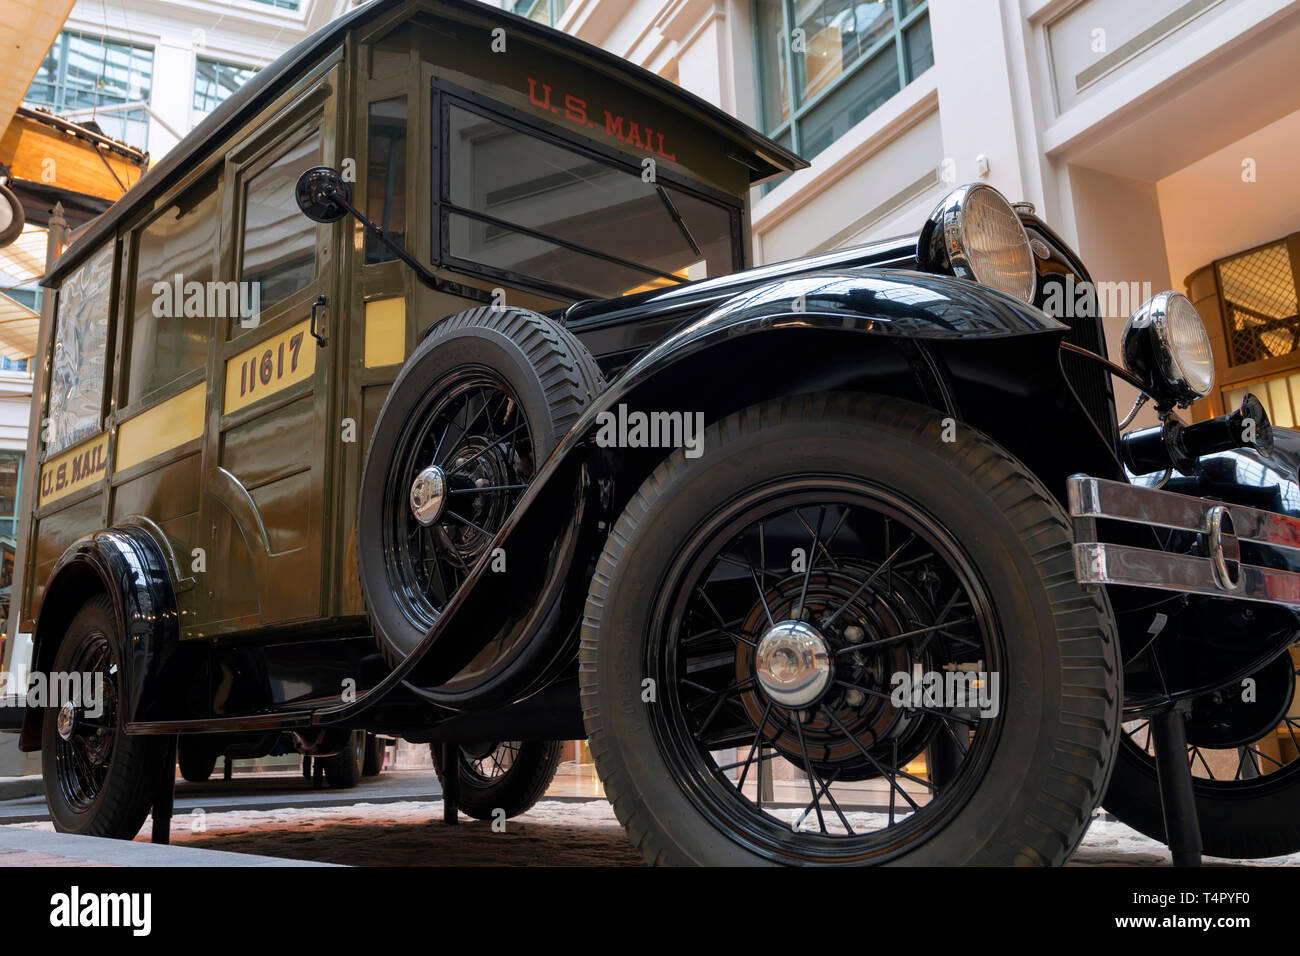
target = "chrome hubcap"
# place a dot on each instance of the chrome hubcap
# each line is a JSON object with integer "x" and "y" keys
{"x": 793, "y": 663}
{"x": 66, "y": 722}
{"x": 428, "y": 495}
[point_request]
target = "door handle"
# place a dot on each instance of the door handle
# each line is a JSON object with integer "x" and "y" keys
{"x": 320, "y": 337}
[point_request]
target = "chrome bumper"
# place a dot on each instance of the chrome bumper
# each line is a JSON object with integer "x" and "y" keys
{"x": 1217, "y": 568}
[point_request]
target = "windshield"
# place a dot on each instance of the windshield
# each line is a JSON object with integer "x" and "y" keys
{"x": 526, "y": 206}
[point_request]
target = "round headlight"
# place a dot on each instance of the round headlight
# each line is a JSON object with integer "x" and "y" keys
{"x": 1166, "y": 346}
{"x": 976, "y": 234}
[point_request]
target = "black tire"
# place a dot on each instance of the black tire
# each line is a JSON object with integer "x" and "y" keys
{"x": 343, "y": 769}
{"x": 106, "y": 787}
{"x": 1042, "y": 773}
{"x": 373, "y": 765}
{"x": 518, "y": 785}
{"x": 548, "y": 378}
{"x": 196, "y": 764}
{"x": 1239, "y": 819}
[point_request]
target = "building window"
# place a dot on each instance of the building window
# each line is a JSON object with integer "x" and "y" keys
{"x": 82, "y": 72}
{"x": 214, "y": 81}
{"x": 281, "y": 4}
{"x": 11, "y": 470}
{"x": 543, "y": 11}
{"x": 825, "y": 65}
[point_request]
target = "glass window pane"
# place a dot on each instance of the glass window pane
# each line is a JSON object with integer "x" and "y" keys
{"x": 850, "y": 102}
{"x": 545, "y": 261}
{"x": 386, "y": 175}
{"x": 214, "y": 81}
{"x": 170, "y": 328}
{"x": 80, "y": 346}
{"x": 920, "y": 48}
{"x": 571, "y": 196}
{"x": 279, "y": 241}
{"x": 835, "y": 34}
{"x": 11, "y": 467}
{"x": 774, "y": 65}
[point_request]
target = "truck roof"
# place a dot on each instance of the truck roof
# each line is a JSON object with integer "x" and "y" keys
{"x": 764, "y": 157}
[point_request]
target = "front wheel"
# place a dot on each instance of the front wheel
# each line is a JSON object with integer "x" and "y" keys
{"x": 865, "y": 645}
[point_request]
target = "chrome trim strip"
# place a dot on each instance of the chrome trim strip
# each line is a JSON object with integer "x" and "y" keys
{"x": 1097, "y": 563}
{"x": 1119, "y": 501}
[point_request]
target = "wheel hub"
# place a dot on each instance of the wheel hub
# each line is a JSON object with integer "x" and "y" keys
{"x": 428, "y": 495}
{"x": 66, "y": 722}
{"x": 793, "y": 663}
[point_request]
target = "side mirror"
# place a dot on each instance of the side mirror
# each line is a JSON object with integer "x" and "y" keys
{"x": 318, "y": 192}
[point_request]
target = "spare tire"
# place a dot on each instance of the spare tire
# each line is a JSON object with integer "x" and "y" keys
{"x": 479, "y": 405}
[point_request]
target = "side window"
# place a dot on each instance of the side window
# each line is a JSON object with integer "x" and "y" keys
{"x": 77, "y": 372}
{"x": 386, "y": 175}
{"x": 170, "y": 309}
{"x": 279, "y": 253}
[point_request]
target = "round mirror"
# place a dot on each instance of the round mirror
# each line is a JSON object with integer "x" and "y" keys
{"x": 316, "y": 194}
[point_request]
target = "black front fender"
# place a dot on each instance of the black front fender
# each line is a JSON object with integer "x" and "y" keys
{"x": 981, "y": 357}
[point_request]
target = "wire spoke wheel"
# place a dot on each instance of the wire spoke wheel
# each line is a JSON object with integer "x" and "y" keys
{"x": 836, "y": 706}
{"x": 492, "y": 761}
{"x": 460, "y": 466}
{"x": 83, "y": 750}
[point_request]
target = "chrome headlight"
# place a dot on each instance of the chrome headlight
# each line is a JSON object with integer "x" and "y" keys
{"x": 975, "y": 234}
{"x": 1166, "y": 347}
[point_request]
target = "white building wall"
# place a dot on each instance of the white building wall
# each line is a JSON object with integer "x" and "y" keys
{"x": 241, "y": 32}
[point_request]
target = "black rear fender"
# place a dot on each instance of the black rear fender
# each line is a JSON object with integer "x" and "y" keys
{"x": 134, "y": 566}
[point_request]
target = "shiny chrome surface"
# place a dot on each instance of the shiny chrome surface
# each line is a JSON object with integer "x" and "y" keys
{"x": 66, "y": 722}
{"x": 948, "y": 223}
{"x": 428, "y": 495}
{"x": 1097, "y": 563}
{"x": 1150, "y": 352}
{"x": 793, "y": 664}
{"x": 1218, "y": 571}
{"x": 1101, "y": 498}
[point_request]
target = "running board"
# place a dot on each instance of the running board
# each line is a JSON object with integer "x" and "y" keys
{"x": 1215, "y": 570}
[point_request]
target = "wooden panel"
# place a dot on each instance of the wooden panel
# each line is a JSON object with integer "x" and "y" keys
{"x": 285, "y": 509}
{"x": 77, "y": 468}
{"x": 55, "y": 533}
{"x": 272, "y": 445}
{"x": 270, "y": 366}
{"x": 162, "y": 495}
{"x": 174, "y": 422}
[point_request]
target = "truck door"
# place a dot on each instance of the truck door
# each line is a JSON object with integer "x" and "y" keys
{"x": 272, "y": 432}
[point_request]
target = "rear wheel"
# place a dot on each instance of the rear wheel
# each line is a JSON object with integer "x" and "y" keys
{"x": 506, "y": 775}
{"x": 196, "y": 763}
{"x": 98, "y": 781}
{"x": 865, "y": 645}
{"x": 373, "y": 764}
{"x": 477, "y": 408}
{"x": 343, "y": 769}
